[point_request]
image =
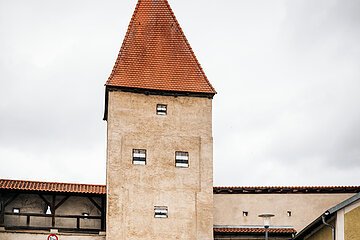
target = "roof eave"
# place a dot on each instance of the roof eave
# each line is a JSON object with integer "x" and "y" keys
{"x": 286, "y": 189}
{"x": 329, "y": 214}
{"x": 309, "y": 229}
{"x": 343, "y": 204}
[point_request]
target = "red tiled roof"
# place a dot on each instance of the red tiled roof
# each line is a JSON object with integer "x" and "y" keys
{"x": 156, "y": 55}
{"x": 286, "y": 189}
{"x": 6, "y": 184}
{"x": 25, "y": 185}
{"x": 254, "y": 230}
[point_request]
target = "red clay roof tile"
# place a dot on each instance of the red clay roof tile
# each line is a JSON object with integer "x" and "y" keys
{"x": 156, "y": 55}
{"x": 21, "y": 185}
{"x": 285, "y": 189}
{"x": 24, "y": 185}
{"x": 254, "y": 230}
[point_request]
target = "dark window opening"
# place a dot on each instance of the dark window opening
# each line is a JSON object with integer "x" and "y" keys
{"x": 139, "y": 156}
{"x": 161, "y": 109}
{"x": 182, "y": 159}
{"x": 160, "y": 212}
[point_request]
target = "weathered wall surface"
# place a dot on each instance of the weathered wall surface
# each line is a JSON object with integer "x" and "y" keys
{"x": 134, "y": 190}
{"x": 44, "y": 235}
{"x": 352, "y": 224}
{"x": 323, "y": 234}
{"x": 228, "y": 208}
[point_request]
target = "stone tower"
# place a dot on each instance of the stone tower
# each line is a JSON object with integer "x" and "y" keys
{"x": 159, "y": 133}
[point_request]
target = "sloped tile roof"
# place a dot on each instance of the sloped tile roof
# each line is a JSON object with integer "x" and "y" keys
{"x": 25, "y": 185}
{"x": 21, "y": 185}
{"x": 254, "y": 230}
{"x": 156, "y": 55}
{"x": 285, "y": 189}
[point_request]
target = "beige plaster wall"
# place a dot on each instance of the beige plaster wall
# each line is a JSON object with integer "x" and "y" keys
{"x": 352, "y": 224}
{"x": 134, "y": 190}
{"x": 43, "y": 236}
{"x": 228, "y": 208}
{"x": 322, "y": 234}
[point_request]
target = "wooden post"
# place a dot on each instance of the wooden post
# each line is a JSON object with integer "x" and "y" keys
{"x": 5, "y": 199}
{"x": 2, "y": 212}
{"x": 28, "y": 220}
{"x": 103, "y": 214}
{"x": 61, "y": 202}
{"x": 78, "y": 223}
{"x": 52, "y": 208}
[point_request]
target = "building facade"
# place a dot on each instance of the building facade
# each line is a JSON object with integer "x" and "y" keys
{"x": 293, "y": 207}
{"x": 158, "y": 108}
{"x": 159, "y": 133}
{"x": 34, "y": 210}
{"x": 341, "y": 222}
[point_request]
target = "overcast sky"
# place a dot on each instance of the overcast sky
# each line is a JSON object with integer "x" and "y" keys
{"x": 287, "y": 75}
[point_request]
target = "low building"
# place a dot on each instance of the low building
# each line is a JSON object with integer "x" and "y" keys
{"x": 294, "y": 206}
{"x": 34, "y": 210}
{"x": 341, "y": 222}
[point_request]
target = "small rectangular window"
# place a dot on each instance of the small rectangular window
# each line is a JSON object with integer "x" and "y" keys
{"x": 16, "y": 210}
{"x": 139, "y": 156}
{"x": 161, "y": 109}
{"x": 245, "y": 214}
{"x": 289, "y": 213}
{"x": 160, "y": 212}
{"x": 182, "y": 159}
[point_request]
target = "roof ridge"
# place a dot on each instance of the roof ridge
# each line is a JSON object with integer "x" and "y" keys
{"x": 286, "y": 190}
{"x": 304, "y": 186}
{"x": 50, "y": 182}
{"x": 215, "y": 187}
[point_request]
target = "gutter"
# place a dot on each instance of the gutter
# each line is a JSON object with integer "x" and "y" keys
{"x": 326, "y": 216}
{"x": 328, "y": 225}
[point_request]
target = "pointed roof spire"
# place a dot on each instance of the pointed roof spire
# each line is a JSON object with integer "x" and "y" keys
{"x": 155, "y": 54}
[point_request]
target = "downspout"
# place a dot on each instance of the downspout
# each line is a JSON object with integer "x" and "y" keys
{"x": 328, "y": 225}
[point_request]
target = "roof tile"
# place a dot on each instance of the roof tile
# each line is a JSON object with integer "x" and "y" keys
{"x": 25, "y": 185}
{"x": 6, "y": 184}
{"x": 156, "y": 55}
{"x": 254, "y": 230}
{"x": 285, "y": 189}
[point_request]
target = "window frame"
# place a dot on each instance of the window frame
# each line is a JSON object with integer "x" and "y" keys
{"x": 161, "y": 212}
{"x": 161, "y": 109}
{"x": 137, "y": 160}
{"x": 182, "y": 163}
